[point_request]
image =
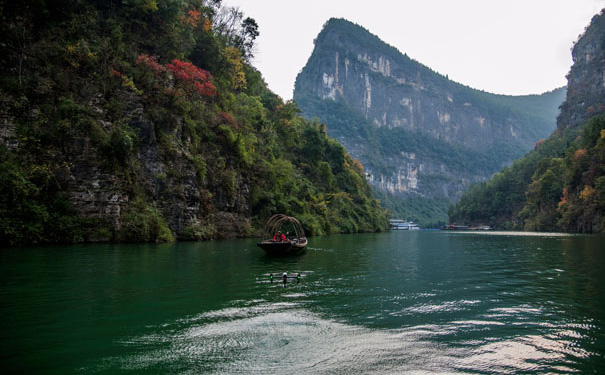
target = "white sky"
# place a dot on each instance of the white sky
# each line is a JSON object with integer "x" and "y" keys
{"x": 502, "y": 46}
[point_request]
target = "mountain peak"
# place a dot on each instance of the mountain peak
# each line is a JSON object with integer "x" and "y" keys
{"x": 586, "y": 78}
{"x": 417, "y": 132}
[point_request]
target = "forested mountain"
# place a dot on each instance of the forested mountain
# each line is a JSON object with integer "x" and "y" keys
{"x": 144, "y": 121}
{"x": 422, "y": 138}
{"x": 560, "y": 185}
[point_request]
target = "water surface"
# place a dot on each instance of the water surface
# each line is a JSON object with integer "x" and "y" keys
{"x": 389, "y": 303}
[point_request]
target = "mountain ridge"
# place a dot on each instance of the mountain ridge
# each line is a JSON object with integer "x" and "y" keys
{"x": 369, "y": 94}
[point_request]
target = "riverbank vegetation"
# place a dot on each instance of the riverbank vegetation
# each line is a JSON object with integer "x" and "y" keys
{"x": 559, "y": 186}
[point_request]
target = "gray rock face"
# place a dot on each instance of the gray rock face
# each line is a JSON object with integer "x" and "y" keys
{"x": 411, "y": 102}
{"x": 586, "y": 79}
{"x": 412, "y": 125}
{"x": 192, "y": 208}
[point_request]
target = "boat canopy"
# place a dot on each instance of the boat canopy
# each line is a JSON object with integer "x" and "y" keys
{"x": 284, "y": 224}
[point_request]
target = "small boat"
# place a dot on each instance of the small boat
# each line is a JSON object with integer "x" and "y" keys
{"x": 291, "y": 239}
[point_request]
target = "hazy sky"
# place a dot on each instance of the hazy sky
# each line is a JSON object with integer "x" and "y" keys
{"x": 501, "y": 46}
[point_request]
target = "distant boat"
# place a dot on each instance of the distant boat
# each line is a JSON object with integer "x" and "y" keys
{"x": 283, "y": 235}
{"x": 403, "y": 225}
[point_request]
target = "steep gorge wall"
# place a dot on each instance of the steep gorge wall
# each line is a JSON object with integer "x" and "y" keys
{"x": 396, "y": 96}
{"x": 586, "y": 79}
{"x": 386, "y": 96}
{"x": 125, "y": 123}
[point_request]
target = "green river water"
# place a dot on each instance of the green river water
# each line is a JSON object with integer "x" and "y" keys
{"x": 426, "y": 302}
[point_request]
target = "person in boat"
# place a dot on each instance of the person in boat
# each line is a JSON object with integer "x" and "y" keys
{"x": 279, "y": 237}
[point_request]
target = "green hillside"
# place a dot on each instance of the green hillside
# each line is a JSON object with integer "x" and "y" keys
{"x": 144, "y": 121}
{"x": 560, "y": 186}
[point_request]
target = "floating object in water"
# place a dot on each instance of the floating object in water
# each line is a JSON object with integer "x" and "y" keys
{"x": 285, "y": 277}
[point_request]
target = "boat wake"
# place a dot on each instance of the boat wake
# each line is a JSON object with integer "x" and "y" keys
{"x": 278, "y": 338}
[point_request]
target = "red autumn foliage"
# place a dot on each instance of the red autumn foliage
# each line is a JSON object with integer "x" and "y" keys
{"x": 227, "y": 118}
{"x": 189, "y": 78}
{"x": 538, "y": 143}
{"x": 192, "y": 77}
{"x": 358, "y": 165}
{"x": 152, "y": 63}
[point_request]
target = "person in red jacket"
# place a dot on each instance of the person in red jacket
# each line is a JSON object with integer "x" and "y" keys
{"x": 279, "y": 237}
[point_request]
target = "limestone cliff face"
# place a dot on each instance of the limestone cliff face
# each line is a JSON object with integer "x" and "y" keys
{"x": 394, "y": 97}
{"x": 388, "y": 96}
{"x": 586, "y": 79}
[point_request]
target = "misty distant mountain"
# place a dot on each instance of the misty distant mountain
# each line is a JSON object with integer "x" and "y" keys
{"x": 422, "y": 138}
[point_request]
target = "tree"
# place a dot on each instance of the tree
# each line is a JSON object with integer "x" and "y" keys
{"x": 249, "y": 34}
{"x": 237, "y": 31}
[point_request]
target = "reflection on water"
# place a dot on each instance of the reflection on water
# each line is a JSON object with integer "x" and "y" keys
{"x": 389, "y": 303}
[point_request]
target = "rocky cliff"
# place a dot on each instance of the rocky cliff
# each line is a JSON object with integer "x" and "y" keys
{"x": 586, "y": 78}
{"x": 417, "y": 133}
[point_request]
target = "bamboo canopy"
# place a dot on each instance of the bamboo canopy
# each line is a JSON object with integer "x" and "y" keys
{"x": 295, "y": 240}
{"x": 284, "y": 223}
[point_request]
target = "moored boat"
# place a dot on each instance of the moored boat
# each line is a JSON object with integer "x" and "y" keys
{"x": 403, "y": 225}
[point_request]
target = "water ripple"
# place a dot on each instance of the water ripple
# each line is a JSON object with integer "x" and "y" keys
{"x": 277, "y": 338}
{"x": 283, "y": 338}
{"x": 448, "y": 306}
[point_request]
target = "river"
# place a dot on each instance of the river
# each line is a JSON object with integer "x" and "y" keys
{"x": 425, "y": 302}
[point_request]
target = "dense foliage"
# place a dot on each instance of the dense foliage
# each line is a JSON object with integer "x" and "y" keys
{"x": 560, "y": 186}
{"x": 154, "y": 103}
